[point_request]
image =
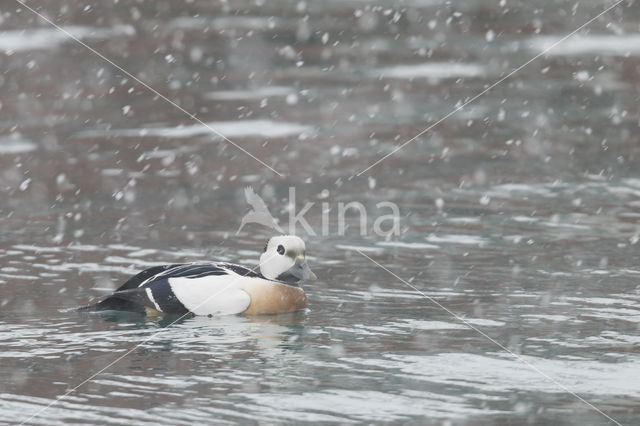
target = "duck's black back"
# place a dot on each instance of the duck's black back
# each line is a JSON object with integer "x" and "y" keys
{"x": 136, "y": 280}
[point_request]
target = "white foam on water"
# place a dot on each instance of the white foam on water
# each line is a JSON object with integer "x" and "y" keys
{"x": 111, "y": 172}
{"x": 12, "y": 145}
{"x": 228, "y": 22}
{"x": 230, "y": 129}
{"x": 19, "y": 277}
{"x": 415, "y": 246}
{"x": 484, "y": 322}
{"x": 526, "y": 219}
{"x": 252, "y": 178}
{"x": 432, "y": 70}
{"x": 488, "y": 373}
{"x": 85, "y": 247}
{"x": 85, "y": 267}
{"x": 257, "y": 93}
{"x": 600, "y": 272}
{"x": 412, "y": 324}
{"x": 366, "y": 405}
{"x": 508, "y": 188}
{"x": 143, "y": 252}
{"x": 123, "y": 247}
{"x": 635, "y": 182}
{"x": 556, "y": 343}
{"x": 377, "y": 331}
{"x": 592, "y": 44}
{"x": 258, "y": 23}
{"x": 456, "y": 239}
{"x": 623, "y": 190}
{"x": 564, "y": 225}
{"x": 381, "y": 293}
{"x": 359, "y": 248}
{"x": 19, "y": 408}
{"x": 629, "y": 315}
{"x": 167, "y": 154}
{"x": 559, "y": 318}
{"x": 455, "y": 324}
{"x": 47, "y": 38}
{"x": 463, "y": 219}
{"x": 129, "y": 261}
{"x": 602, "y": 301}
{"x": 38, "y": 249}
{"x": 250, "y": 253}
{"x": 189, "y": 22}
{"x": 607, "y": 336}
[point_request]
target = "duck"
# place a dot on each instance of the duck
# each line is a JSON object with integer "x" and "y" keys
{"x": 219, "y": 288}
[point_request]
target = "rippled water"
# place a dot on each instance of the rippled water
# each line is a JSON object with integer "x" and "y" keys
{"x": 519, "y": 213}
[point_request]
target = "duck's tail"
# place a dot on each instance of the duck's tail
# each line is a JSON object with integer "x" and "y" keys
{"x": 112, "y": 303}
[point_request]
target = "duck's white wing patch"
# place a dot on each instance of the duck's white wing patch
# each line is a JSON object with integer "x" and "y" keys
{"x": 210, "y": 295}
{"x": 150, "y": 296}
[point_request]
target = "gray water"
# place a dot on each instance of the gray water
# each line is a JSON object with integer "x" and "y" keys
{"x": 519, "y": 214}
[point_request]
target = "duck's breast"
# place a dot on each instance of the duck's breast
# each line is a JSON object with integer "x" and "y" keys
{"x": 268, "y": 297}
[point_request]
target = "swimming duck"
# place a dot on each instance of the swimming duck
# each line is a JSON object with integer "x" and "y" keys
{"x": 219, "y": 287}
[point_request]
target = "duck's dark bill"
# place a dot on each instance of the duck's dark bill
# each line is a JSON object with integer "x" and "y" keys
{"x": 299, "y": 271}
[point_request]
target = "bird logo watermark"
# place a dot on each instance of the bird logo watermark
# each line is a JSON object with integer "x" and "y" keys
{"x": 259, "y": 213}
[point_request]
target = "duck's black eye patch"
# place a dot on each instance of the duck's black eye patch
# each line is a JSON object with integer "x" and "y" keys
{"x": 280, "y": 249}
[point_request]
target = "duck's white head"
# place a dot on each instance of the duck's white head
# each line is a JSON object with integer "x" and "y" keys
{"x": 284, "y": 260}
